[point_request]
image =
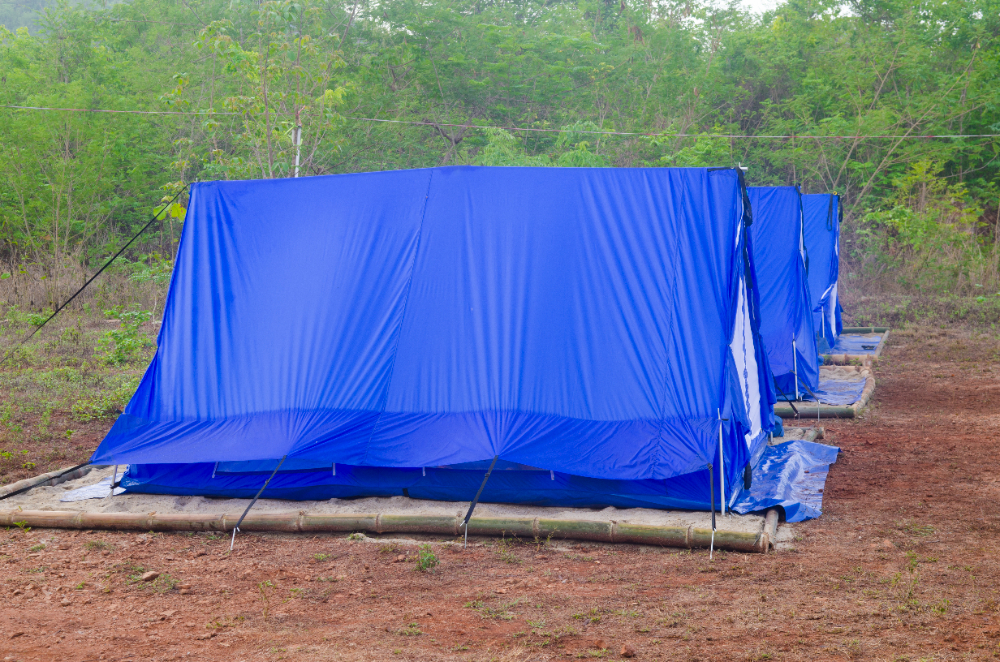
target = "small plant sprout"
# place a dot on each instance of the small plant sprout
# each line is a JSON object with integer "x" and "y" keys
{"x": 426, "y": 560}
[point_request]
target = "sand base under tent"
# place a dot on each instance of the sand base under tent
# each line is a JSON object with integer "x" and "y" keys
{"x": 42, "y": 507}
{"x": 872, "y": 339}
{"x": 813, "y": 410}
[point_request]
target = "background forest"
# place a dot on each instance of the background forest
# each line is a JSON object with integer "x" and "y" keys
{"x": 260, "y": 85}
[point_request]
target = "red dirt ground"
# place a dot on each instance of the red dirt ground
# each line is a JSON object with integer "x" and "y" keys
{"x": 903, "y": 565}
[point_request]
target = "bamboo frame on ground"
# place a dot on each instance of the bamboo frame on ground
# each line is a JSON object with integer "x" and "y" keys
{"x": 301, "y": 522}
{"x": 807, "y": 410}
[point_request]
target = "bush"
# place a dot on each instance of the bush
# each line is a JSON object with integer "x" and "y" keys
{"x": 121, "y": 345}
{"x": 427, "y": 560}
{"x": 107, "y": 404}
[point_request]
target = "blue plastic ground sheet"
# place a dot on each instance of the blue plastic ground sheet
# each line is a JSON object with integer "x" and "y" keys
{"x": 595, "y": 322}
{"x": 838, "y": 392}
{"x": 792, "y": 476}
{"x": 857, "y": 343}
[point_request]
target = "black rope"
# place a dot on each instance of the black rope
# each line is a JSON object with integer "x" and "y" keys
{"x": 44, "y": 480}
{"x": 472, "y": 506}
{"x": 261, "y": 491}
{"x": 809, "y": 390}
{"x": 786, "y": 398}
{"x": 802, "y": 230}
{"x": 90, "y": 280}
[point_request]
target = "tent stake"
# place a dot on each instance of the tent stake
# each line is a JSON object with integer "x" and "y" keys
{"x": 261, "y": 491}
{"x": 711, "y": 492}
{"x": 114, "y": 474}
{"x": 472, "y": 506}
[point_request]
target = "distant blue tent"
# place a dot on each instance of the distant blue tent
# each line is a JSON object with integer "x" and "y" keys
{"x": 822, "y": 233}
{"x": 786, "y": 315}
{"x": 391, "y": 333}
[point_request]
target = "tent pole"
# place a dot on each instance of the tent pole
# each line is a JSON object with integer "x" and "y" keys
{"x": 795, "y": 368}
{"x": 722, "y": 465}
{"x": 472, "y": 506}
{"x": 261, "y": 491}
{"x": 711, "y": 493}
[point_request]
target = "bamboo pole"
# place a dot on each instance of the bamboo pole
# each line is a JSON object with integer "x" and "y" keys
{"x": 833, "y": 411}
{"x": 302, "y": 522}
{"x": 46, "y": 480}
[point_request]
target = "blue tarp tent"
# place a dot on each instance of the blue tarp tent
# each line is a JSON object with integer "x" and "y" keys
{"x": 786, "y": 315}
{"x": 393, "y": 332}
{"x": 822, "y": 235}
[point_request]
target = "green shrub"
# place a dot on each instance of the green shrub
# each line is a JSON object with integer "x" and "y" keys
{"x": 121, "y": 345}
{"x": 107, "y": 404}
{"x": 427, "y": 560}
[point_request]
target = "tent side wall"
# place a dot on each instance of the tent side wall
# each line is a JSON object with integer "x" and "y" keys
{"x": 786, "y": 312}
{"x": 822, "y": 234}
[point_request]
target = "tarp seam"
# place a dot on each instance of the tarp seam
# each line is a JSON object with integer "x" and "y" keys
{"x": 666, "y": 347}
{"x": 402, "y": 317}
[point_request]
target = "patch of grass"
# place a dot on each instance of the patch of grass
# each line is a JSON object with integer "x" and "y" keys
{"x": 504, "y": 549}
{"x": 321, "y": 557}
{"x": 37, "y": 548}
{"x": 356, "y": 536}
{"x": 109, "y": 402}
{"x": 96, "y": 545}
{"x": 411, "y": 630}
{"x": 161, "y": 584}
{"x": 501, "y": 610}
{"x": 391, "y": 548}
{"x": 426, "y": 561}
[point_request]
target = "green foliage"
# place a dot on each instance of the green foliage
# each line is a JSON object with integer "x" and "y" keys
{"x": 426, "y": 561}
{"x": 107, "y": 403}
{"x": 927, "y": 234}
{"x": 123, "y": 344}
{"x": 521, "y": 83}
{"x": 501, "y": 610}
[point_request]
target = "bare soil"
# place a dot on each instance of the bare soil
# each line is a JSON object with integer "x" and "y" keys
{"x": 903, "y": 565}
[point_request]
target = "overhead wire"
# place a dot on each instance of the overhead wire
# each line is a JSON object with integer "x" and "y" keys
{"x": 209, "y": 113}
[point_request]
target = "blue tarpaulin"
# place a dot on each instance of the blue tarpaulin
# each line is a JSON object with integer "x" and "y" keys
{"x": 822, "y": 239}
{"x": 590, "y": 323}
{"x": 786, "y": 315}
{"x": 857, "y": 343}
{"x": 790, "y": 475}
{"x": 838, "y": 391}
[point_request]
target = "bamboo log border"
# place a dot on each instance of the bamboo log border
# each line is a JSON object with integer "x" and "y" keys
{"x": 46, "y": 480}
{"x": 807, "y": 410}
{"x": 688, "y": 537}
{"x": 866, "y": 359}
{"x": 865, "y": 329}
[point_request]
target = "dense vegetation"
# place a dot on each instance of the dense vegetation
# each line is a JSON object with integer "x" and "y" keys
{"x": 539, "y": 82}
